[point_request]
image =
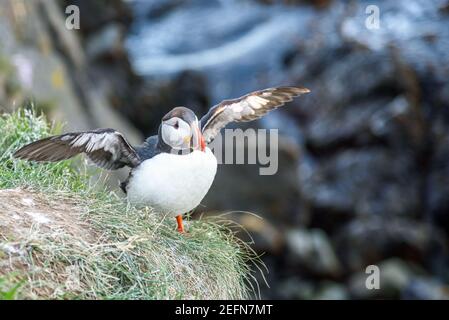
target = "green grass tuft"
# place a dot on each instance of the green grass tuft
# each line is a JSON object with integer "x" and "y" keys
{"x": 98, "y": 247}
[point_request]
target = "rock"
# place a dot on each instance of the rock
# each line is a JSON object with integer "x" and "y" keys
{"x": 425, "y": 289}
{"x": 369, "y": 181}
{"x": 45, "y": 62}
{"x": 328, "y": 290}
{"x": 354, "y": 125}
{"x": 405, "y": 35}
{"x": 40, "y": 71}
{"x": 317, "y": 3}
{"x": 366, "y": 241}
{"x": 296, "y": 288}
{"x": 264, "y": 236}
{"x": 11, "y": 80}
{"x": 438, "y": 176}
{"x": 155, "y": 9}
{"x": 377, "y": 103}
{"x": 302, "y": 289}
{"x": 164, "y": 45}
{"x": 106, "y": 42}
{"x": 313, "y": 250}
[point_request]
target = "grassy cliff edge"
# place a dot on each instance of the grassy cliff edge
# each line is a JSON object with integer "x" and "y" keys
{"x": 62, "y": 237}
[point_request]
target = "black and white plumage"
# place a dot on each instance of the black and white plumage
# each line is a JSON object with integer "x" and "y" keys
{"x": 173, "y": 170}
{"x": 106, "y": 148}
{"x": 247, "y": 108}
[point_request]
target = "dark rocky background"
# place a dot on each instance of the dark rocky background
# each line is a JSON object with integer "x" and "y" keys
{"x": 364, "y": 162}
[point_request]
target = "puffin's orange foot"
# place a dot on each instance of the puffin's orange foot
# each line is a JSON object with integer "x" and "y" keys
{"x": 180, "y": 225}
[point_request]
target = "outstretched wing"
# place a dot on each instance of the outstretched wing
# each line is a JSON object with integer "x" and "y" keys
{"x": 106, "y": 148}
{"x": 247, "y": 108}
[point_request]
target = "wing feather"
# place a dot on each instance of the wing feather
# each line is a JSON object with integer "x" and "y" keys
{"x": 106, "y": 148}
{"x": 247, "y": 108}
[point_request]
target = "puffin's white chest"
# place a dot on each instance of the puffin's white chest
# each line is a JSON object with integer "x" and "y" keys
{"x": 173, "y": 184}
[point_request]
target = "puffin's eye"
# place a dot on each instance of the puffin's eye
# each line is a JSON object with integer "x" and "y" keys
{"x": 176, "y": 126}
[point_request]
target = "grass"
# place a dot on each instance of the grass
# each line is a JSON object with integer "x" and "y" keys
{"x": 97, "y": 246}
{"x": 8, "y": 292}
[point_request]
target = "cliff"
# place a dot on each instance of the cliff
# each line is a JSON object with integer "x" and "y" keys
{"x": 61, "y": 236}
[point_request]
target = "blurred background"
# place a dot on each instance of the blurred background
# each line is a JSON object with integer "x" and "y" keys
{"x": 364, "y": 159}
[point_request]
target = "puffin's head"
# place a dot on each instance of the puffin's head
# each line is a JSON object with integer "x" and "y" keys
{"x": 180, "y": 130}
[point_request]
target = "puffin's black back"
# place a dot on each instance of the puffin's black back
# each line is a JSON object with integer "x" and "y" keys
{"x": 149, "y": 148}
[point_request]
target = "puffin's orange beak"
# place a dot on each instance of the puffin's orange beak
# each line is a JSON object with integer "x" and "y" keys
{"x": 200, "y": 143}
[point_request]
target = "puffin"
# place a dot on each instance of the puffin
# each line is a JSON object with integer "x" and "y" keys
{"x": 173, "y": 170}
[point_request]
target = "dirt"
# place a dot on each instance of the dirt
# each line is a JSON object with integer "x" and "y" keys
{"x": 23, "y": 212}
